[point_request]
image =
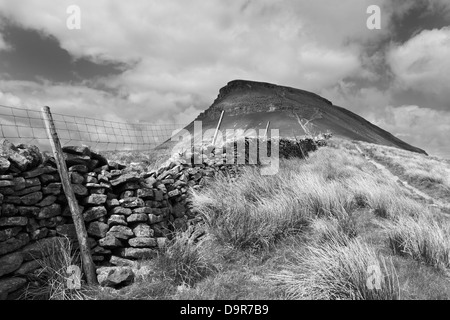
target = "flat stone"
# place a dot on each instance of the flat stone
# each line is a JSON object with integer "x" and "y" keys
{"x": 94, "y": 199}
{"x": 152, "y": 219}
{"x": 80, "y": 190}
{"x": 127, "y": 177}
{"x": 29, "y": 211}
{"x": 98, "y": 229}
{"x": 12, "y": 200}
{"x": 4, "y": 165}
{"x": 9, "y": 285}
{"x": 121, "y": 232}
{"x": 158, "y": 195}
{"x": 50, "y": 211}
{"x": 143, "y": 230}
{"x": 32, "y": 182}
{"x": 76, "y": 178}
{"x": 122, "y": 211}
{"x": 79, "y": 150}
{"x": 27, "y": 191}
{"x": 174, "y": 193}
{"x": 29, "y": 267}
{"x": 142, "y": 242}
{"x": 6, "y": 234}
{"x": 114, "y": 276}
{"x": 6, "y": 177}
{"x": 121, "y": 262}
{"x": 33, "y": 173}
{"x": 18, "y": 183}
{"x": 47, "y": 201}
{"x": 97, "y": 190}
{"x": 13, "y": 244}
{"x": 101, "y": 160}
{"x": 133, "y": 202}
{"x": 145, "y": 210}
{"x": 10, "y": 263}
{"x": 7, "y": 191}
{"x": 9, "y": 210}
{"x": 111, "y": 203}
{"x": 127, "y": 194}
{"x": 145, "y": 193}
{"x": 110, "y": 242}
{"x": 31, "y": 199}
{"x": 80, "y": 168}
{"x": 137, "y": 217}
{"x": 13, "y": 221}
{"x": 48, "y": 178}
{"x": 53, "y": 188}
{"x": 137, "y": 253}
{"x": 116, "y": 220}
{"x": 94, "y": 213}
{"x": 100, "y": 250}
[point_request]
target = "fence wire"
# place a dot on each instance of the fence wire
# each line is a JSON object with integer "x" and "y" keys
{"x": 21, "y": 125}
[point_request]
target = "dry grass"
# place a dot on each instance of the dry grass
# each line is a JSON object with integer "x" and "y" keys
{"x": 54, "y": 281}
{"x": 312, "y": 231}
{"x": 425, "y": 238}
{"x": 338, "y": 268}
{"x": 431, "y": 175}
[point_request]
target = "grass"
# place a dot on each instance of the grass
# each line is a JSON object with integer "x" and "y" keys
{"x": 431, "y": 175}
{"x": 54, "y": 281}
{"x": 318, "y": 229}
{"x": 424, "y": 238}
{"x": 339, "y": 268}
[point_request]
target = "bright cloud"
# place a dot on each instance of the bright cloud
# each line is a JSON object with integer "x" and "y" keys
{"x": 423, "y": 63}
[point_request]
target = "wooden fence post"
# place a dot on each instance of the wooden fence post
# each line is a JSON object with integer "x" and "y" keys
{"x": 78, "y": 220}
{"x": 217, "y": 129}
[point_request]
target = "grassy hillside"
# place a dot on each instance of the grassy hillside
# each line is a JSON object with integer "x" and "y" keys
{"x": 320, "y": 229}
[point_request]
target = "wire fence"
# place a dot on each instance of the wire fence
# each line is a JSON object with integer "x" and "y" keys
{"x": 21, "y": 125}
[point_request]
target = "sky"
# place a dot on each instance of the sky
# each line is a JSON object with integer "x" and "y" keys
{"x": 165, "y": 61}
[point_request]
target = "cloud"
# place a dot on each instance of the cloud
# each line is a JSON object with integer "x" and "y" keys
{"x": 418, "y": 126}
{"x": 179, "y": 54}
{"x": 422, "y": 63}
{"x": 3, "y": 44}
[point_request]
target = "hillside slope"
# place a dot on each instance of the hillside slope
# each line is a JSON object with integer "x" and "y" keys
{"x": 295, "y": 112}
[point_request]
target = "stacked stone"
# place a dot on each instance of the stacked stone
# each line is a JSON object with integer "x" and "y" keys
{"x": 128, "y": 215}
{"x": 90, "y": 183}
{"x": 31, "y": 200}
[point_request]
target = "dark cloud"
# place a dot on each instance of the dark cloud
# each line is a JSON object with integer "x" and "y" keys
{"x": 35, "y": 55}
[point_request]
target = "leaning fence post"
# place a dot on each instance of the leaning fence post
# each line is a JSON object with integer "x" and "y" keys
{"x": 88, "y": 264}
{"x": 217, "y": 129}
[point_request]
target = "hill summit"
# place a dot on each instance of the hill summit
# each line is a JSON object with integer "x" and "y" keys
{"x": 295, "y": 112}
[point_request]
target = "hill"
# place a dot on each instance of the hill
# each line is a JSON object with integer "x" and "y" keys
{"x": 295, "y": 112}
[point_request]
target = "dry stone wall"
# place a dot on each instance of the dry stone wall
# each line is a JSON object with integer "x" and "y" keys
{"x": 128, "y": 214}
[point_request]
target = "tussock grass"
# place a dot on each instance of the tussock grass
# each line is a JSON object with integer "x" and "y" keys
{"x": 185, "y": 262}
{"x": 338, "y": 268}
{"x": 424, "y": 238}
{"x": 255, "y": 211}
{"x": 54, "y": 281}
